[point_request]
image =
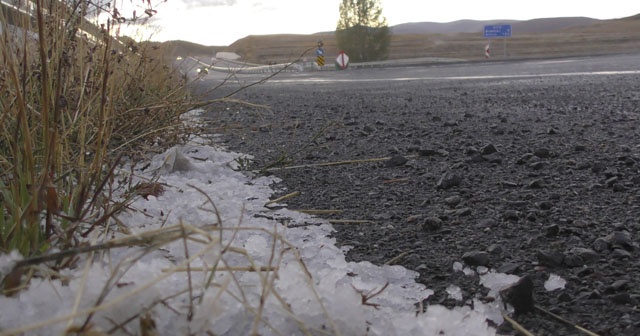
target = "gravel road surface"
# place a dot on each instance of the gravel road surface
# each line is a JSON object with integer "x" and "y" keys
{"x": 532, "y": 173}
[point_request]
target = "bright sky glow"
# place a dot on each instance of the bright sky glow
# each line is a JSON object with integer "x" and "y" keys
{"x": 221, "y": 22}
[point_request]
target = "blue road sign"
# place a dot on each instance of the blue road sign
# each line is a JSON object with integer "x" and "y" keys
{"x": 497, "y": 31}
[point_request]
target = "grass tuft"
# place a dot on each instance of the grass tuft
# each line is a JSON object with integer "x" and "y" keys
{"x": 75, "y": 96}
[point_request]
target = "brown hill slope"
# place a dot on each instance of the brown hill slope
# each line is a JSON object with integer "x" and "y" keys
{"x": 533, "y": 38}
{"x": 475, "y": 26}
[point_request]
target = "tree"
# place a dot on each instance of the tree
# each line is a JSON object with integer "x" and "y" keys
{"x": 362, "y": 31}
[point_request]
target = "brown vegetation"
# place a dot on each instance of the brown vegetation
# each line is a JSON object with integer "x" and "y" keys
{"x": 599, "y": 37}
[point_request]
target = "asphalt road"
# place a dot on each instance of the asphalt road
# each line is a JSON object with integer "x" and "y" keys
{"x": 491, "y": 69}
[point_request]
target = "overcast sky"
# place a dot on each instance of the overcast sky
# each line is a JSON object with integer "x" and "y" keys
{"x": 221, "y": 22}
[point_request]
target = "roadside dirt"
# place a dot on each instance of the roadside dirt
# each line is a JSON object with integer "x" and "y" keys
{"x": 530, "y": 177}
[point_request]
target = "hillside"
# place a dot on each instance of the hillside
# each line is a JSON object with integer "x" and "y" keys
{"x": 474, "y": 26}
{"x": 462, "y": 39}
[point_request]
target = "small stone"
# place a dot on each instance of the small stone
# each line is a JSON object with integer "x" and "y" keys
{"x": 542, "y": 153}
{"x": 463, "y": 212}
{"x": 537, "y": 165}
{"x": 619, "y": 285}
{"x": 586, "y": 254}
{"x": 449, "y": 180}
{"x": 594, "y": 295}
{"x": 620, "y": 254}
{"x": 610, "y": 181}
{"x": 536, "y": 184}
{"x": 622, "y": 298}
{"x": 452, "y": 201}
{"x": 551, "y": 230}
{"x": 511, "y": 215}
{"x": 610, "y": 172}
{"x": 443, "y": 152}
{"x": 432, "y": 224}
{"x": 600, "y": 245}
{"x": 629, "y": 161}
{"x": 488, "y": 149}
{"x": 520, "y": 296}
{"x": 573, "y": 261}
{"x": 476, "y": 258}
{"x": 621, "y": 239}
{"x": 495, "y": 249}
{"x": 509, "y": 184}
{"x": 564, "y": 297}
{"x": 580, "y": 148}
{"x": 550, "y": 258}
{"x": 598, "y": 167}
{"x": 493, "y": 158}
{"x": 617, "y": 187}
{"x": 413, "y": 218}
{"x": 427, "y": 152}
{"x": 396, "y": 161}
{"x": 487, "y": 223}
{"x": 509, "y": 268}
{"x": 532, "y": 216}
{"x": 525, "y": 158}
{"x": 545, "y": 205}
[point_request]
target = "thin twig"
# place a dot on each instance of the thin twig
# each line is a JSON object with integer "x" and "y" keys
{"x": 517, "y": 326}
{"x": 270, "y": 76}
{"x": 283, "y": 157}
{"x": 398, "y": 257}
{"x": 282, "y": 198}
{"x": 563, "y": 320}
{"x": 189, "y": 282}
{"x": 336, "y": 163}
{"x": 318, "y": 211}
{"x": 223, "y": 269}
{"x": 349, "y": 221}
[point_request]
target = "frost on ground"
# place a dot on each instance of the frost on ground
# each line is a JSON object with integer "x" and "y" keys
{"x": 244, "y": 268}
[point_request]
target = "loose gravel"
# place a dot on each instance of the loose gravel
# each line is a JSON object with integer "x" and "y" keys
{"x": 531, "y": 177}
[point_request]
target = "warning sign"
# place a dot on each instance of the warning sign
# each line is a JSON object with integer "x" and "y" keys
{"x": 342, "y": 62}
{"x": 320, "y": 60}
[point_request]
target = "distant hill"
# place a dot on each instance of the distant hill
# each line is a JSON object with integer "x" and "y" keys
{"x": 184, "y": 48}
{"x": 475, "y": 26}
{"x": 463, "y": 39}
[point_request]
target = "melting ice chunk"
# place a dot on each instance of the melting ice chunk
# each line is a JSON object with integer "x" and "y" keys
{"x": 497, "y": 281}
{"x": 454, "y": 292}
{"x": 554, "y": 282}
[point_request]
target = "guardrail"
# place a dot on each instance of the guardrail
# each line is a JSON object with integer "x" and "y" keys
{"x": 237, "y": 67}
{"x": 240, "y": 67}
{"x": 19, "y": 13}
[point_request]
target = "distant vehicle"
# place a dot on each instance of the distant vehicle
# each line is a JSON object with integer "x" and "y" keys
{"x": 179, "y": 58}
{"x": 202, "y": 71}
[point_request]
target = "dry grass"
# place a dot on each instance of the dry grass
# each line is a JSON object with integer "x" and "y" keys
{"x": 71, "y": 104}
{"x": 73, "y": 107}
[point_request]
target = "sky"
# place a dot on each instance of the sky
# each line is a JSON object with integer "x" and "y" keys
{"x": 221, "y": 22}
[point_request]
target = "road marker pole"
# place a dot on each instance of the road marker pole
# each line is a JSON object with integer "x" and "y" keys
{"x": 320, "y": 54}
